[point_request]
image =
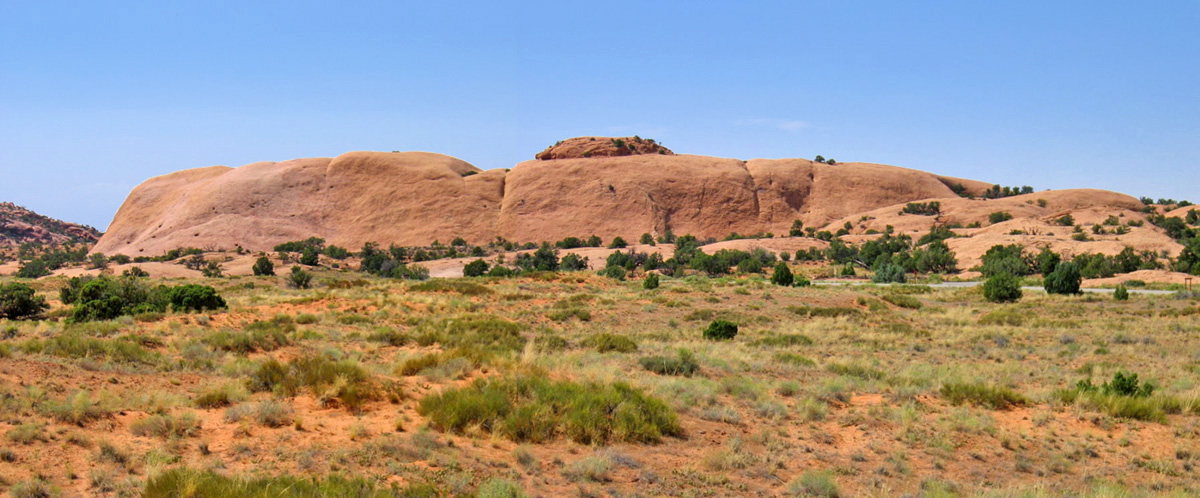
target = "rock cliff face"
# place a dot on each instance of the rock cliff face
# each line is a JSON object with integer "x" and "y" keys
{"x": 414, "y": 198}
{"x": 19, "y": 226}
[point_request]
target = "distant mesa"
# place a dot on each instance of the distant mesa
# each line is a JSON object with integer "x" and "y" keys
{"x": 586, "y": 147}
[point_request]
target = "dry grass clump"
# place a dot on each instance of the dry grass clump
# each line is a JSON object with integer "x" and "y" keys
{"x": 534, "y": 409}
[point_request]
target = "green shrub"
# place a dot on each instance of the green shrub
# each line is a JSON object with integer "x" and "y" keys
{"x": 994, "y": 397}
{"x": 536, "y": 409}
{"x": 889, "y": 273}
{"x": 684, "y": 363}
{"x": 263, "y": 266}
{"x": 476, "y": 268}
{"x": 1121, "y": 293}
{"x": 782, "y": 275}
{"x": 999, "y": 217}
{"x": 299, "y": 278}
{"x": 605, "y": 343}
{"x": 192, "y": 297}
{"x": 650, "y": 282}
{"x": 1002, "y": 288}
{"x": 1122, "y": 384}
{"x": 1065, "y": 279}
{"x": 721, "y": 330}
{"x": 18, "y": 301}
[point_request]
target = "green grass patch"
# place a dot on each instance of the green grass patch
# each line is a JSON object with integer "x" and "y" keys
{"x": 458, "y": 286}
{"x": 76, "y": 346}
{"x": 825, "y": 312}
{"x": 536, "y": 409}
{"x": 606, "y": 343}
{"x": 335, "y": 383}
{"x": 784, "y": 340}
{"x": 903, "y": 301}
{"x": 856, "y": 370}
{"x": 994, "y": 397}
{"x": 174, "y": 483}
{"x": 794, "y": 359}
{"x": 683, "y": 363}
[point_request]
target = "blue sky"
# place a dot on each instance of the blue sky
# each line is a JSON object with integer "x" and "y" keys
{"x": 97, "y": 96}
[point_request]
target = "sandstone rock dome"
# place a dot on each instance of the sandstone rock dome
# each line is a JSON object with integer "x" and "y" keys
{"x": 579, "y": 187}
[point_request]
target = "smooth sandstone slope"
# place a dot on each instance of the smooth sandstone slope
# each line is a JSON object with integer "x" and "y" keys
{"x": 414, "y": 198}
{"x": 351, "y": 199}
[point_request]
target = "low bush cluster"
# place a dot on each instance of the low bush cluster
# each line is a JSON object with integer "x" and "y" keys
{"x": 335, "y": 383}
{"x": 536, "y": 409}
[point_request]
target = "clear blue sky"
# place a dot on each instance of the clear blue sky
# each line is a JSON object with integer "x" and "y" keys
{"x": 97, "y": 96}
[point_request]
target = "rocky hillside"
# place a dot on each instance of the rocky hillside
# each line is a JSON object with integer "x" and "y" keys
{"x": 19, "y": 225}
{"x": 583, "y": 186}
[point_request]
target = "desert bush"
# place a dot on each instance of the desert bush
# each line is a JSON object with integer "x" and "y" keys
{"x": 902, "y": 300}
{"x": 618, "y": 243}
{"x": 683, "y": 363}
{"x": 476, "y": 268}
{"x": 166, "y": 426}
{"x": 79, "y": 409}
{"x": 474, "y": 330}
{"x": 1002, "y": 288}
{"x": 19, "y": 301}
{"x": 1121, "y": 293}
{"x": 192, "y": 297}
{"x": 994, "y": 397}
{"x": 389, "y": 336}
{"x": 33, "y": 488}
{"x": 605, "y": 343}
{"x": 263, "y": 266}
{"x": 1065, "y": 279}
{"x": 220, "y": 396}
{"x": 334, "y": 383}
{"x": 536, "y": 409}
{"x": 815, "y": 484}
{"x": 650, "y": 282}
{"x": 999, "y": 217}
{"x": 258, "y": 336}
{"x": 889, "y": 273}
{"x": 299, "y": 278}
{"x": 721, "y": 330}
{"x": 782, "y": 275}
{"x": 932, "y": 208}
